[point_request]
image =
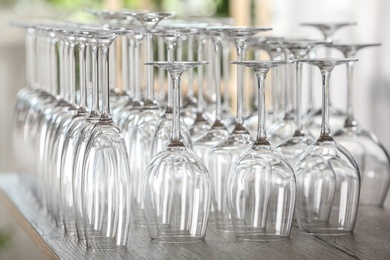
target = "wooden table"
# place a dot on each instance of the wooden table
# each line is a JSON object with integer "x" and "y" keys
{"x": 371, "y": 239}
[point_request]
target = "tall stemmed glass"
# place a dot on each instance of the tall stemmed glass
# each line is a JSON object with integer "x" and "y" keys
{"x": 284, "y": 123}
{"x": 162, "y": 135}
{"x": 71, "y": 137}
{"x": 261, "y": 182}
{"x": 81, "y": 143}
{"x": 218, "y": 131}
{"x": 105, "y": 184}
{"x": 147, "y": 121}
{"x": 371, "y": 156}
{"x": 177, "y": 189}
{"x": 222, "y": 155}
{"x": 203, "y": 119}
{"x": 313, "y": 119}
{"x": 301, "y": 139}
{"x": 58, "y": 122}
{"x": 327, "y": 176}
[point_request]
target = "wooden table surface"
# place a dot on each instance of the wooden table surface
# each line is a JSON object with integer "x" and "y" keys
{"x": 370, "y": 240}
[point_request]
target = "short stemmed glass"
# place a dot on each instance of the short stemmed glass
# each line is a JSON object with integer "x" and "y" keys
{"x": 313, "y": 119}
{"x": 222, "y": 155}
{"x": 105, "y": 184}
{"x": 371, "y": 156}
{"x": 327, "y": 176}
{"x": 301, "y": 139}
{"x": 261, "y": 182}
{"x": 176, "y": 184}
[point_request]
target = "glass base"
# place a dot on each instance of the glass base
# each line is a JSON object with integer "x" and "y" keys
{"x": 326, "y": 231}
{"x": 177, "y": 239}
{"x": 258, "y": 237}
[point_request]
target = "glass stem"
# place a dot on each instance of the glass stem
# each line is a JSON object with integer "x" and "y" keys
{"x": 66, "y": 73}
{"x": 161, "y": 72}
{"x": 72, "y": 76}
{"x": 95, "y": 80}
{"x": 170, "y": 57}
{"x": 200, "y": 77}
{"x": 190, "y": 56}
{"x": 54, "y": 67}
{"x": 325, "y": 127}
{"x": 261, "y": 74}
{"x": 298, "y": 80}
{"x": 82, "y": 78}
{"x": 176, "y": 108}
{"x": 149, "y": 69}
{"x": 125, "y": 64}
{"x": 132, "y": 65}
{"x": 350, "y": 121}
{"x": 104, "y": 70}
{"x": 217, "y": 78}
{"x": 225, "y": 62}
{"x": 137, "y": 78}
{"x": 61, "y": 53}
{"x": 240, "y": 85}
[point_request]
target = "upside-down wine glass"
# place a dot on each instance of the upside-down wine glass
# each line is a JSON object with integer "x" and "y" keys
{"x": 223, "y": 154}
{"x": 370, "y": 155}
{"x": 105, "y": 182}
{"x": 313, "y": 119}
{"x": 327, "y": 176}
{"x": 218, "y": 131}
{"x": 301, "y": 139}
{"x": 164, "y": 129}
{"x": 261, "y": 182}
{"x": 147, "y": 121}
{"x": 176, "y": 184}
{"x": 71, "y": 137}
{"x": 284, "y": 123}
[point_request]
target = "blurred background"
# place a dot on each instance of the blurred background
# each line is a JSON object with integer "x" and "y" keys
{"x": 372, "y": 72}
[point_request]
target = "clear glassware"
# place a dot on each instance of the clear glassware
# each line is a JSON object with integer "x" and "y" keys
{"x": 327, "y": 176}
{"x": 370, "y": 155}
{"x": 313, "y": 120}
{"x": 218, "y": 131}
{"x": 223, "y": 154}
{"x": 161, "y": 137}
{"x": 274, "y": 51}
{"x": 105, "y": 181}
{"x": 202, "y": 119}
{"x": 261, "y": 182}
{"x": 87, "y": 126}
{"x": 293, "y": 147}
{"x": 283, "y": 127}
{"x": 176, "y": 184}
{"x": 147, "y": 120}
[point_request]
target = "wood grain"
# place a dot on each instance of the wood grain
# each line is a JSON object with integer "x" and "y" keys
{"x": 371, "y": 239}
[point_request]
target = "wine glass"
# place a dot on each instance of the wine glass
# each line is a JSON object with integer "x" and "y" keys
{"x": 283, "y": 125}
{"x": 105, "y": 181}
{"x": 261, "y": 182}
{"x": 223, "y": 154}
{"x": 313, "y": 119}
{"x": 72, "y": 135}
{"x": 85, "y": 133}
{"x": 327, "y": 176}
{"x": 147, "y": 121}
{"x": 301, "y": 139}
{"x": 176, "y": 184}
{"x": 161, "y": 137}
{"x": 371, "y": 156}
